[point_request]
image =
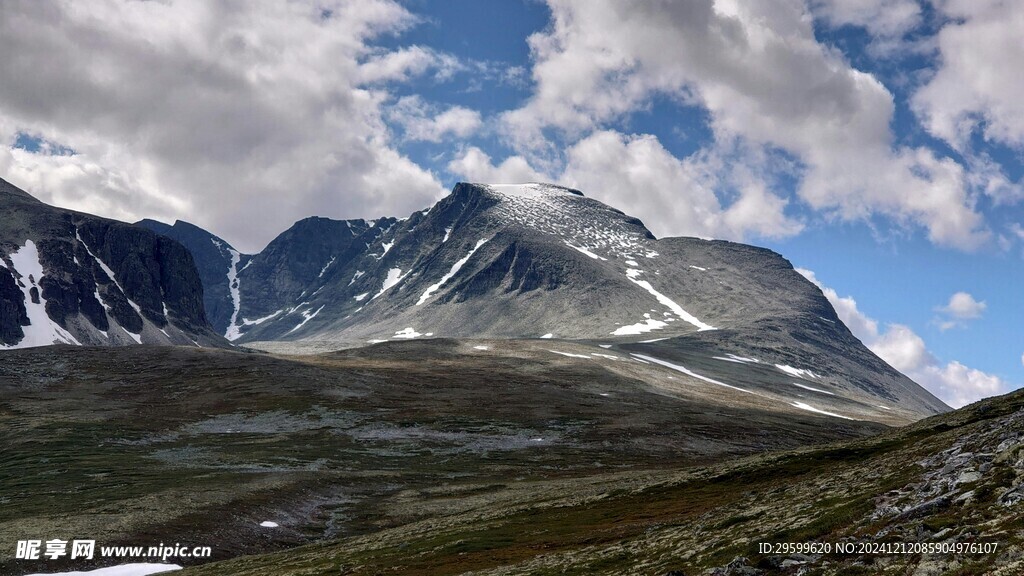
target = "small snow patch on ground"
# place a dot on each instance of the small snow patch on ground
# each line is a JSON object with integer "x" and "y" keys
{"x": 360, "y": 297}
{"x": 268, "y": 524}
{"x": 447, "y": 234}
{"x": 698, "y": 268}
{"x": 571, "y": 355}
{"x": 641, "y": 328}
{"x": 737, "y": 359}
{"x": 689, "y": 372}
{"x": 608, "y": 356}
{"x": 797, "y": 384}
{"x": 605, "y": 345}
{"x": 481, "y": 348}
{"x": 409, "y": 333}
{"x": 809, "y": 408}
{"x": 652, "y": 340}
{"x": 548, "y": 335}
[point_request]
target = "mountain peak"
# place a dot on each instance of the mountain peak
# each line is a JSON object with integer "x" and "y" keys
{"x": 530, "y": 189}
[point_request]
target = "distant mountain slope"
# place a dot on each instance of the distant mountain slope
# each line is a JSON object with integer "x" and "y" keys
{"x": 215, "y": 260}
{"x": 536, "y": 261}
{"x": 68, "y": 277}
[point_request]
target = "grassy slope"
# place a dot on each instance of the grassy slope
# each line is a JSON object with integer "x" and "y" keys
{"x": 694, "y": 520}
{"x": 152, "y": 444}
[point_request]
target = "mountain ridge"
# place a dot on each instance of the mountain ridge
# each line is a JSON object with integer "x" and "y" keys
{"x": 71, "y": 277}
{"x": 539, "y": 260}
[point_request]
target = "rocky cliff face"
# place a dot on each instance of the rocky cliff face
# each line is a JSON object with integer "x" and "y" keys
{"x": 214, "y": 259}
{"x": 67, "y": 277}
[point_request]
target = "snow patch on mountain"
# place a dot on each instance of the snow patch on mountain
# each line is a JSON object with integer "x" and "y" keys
{"x": 306, "y": 317}
{"x": 410, "y": 333}
{"x": 633, "y": 274}
{"x": 689, "y": 372}
{"x": 797, "y": 372}
{"x": 234, "y": 331}
{"x": 451, "y": 273}
{"x": 393, "y": 278}
{"x": 640, "y": 328}
{"x": 134, "y": 336}
{"x": 571, "y": 355}
{"x": 737, "y": 359}
{"x": 810, "y": 408}
{"x": 560, "y": 212}
{"x": 258, "y": 321}
{"x": 387, "y": 247}
{"x": 110, "y": 273}
{"x": 135, "y": 569}
{"x": 326, "y": 266}
{"x": 798, "y": 385}
{"x": 584, "y": 251}
{"x": 41, "y": 331}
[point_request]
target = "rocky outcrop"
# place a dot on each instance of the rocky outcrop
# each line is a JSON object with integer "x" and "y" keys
{"x": 69, "y": 277}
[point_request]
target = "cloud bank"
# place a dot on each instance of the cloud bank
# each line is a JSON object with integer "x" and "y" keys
{"x": 245, "y": 116}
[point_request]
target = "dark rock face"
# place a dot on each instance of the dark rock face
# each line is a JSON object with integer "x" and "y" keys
{"x": 214, "y": 259}
{"x": 12, "y": 309}
{"x": 302, "y": 259}
{"x": 103, "y": 282}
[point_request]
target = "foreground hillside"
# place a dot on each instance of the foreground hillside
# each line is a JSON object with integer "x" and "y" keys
{"x": 498, "y": 457}
{"x": 175, "y": 444}
{"x": 953, "y": 480}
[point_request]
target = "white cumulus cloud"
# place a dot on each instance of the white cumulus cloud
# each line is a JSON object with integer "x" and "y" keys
{"x": 429, "y": 123}
{"x": 964, "y": 307}
{"x": 972, "y": 89}
{"x": 243, "y": 116}
{"x": 475, "y": 165}
{"x": 764, "y": 79}
{"x": 954, "y": 383}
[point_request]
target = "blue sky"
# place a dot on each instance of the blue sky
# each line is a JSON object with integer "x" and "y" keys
{"x": 876, "y": 144}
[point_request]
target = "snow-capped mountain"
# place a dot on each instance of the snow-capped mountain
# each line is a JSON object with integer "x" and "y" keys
{"x": 543, "y": 261}
{"x": 72, "y": 278}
